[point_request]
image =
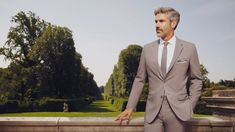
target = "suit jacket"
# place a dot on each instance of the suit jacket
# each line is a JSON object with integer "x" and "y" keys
{"x": 184, "y": 65}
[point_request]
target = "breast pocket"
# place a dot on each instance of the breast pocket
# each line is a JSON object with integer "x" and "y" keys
{"x": 182, "y": 60}
{"x": 181, "y": 65}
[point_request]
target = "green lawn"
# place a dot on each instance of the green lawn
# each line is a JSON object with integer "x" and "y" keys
{"x": 98, "y": 108}
{"x": 66, "y": 114}
{"x": 76, "y": 114}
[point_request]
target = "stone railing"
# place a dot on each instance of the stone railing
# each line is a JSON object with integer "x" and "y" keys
{"x": 222, "y": 104}
{"x": 102, "y": 124}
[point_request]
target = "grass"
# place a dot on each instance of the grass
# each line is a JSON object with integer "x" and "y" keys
{"x": 99, "y": 108}
{"x": 67, "y": 114}
{"x": 77, "y": 114}
{"x": 201, "y": 115}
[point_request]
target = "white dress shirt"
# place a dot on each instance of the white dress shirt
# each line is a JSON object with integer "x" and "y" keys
{"x": 170, "y": 51}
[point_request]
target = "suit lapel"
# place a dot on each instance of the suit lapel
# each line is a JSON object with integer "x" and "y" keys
{"x": 155, "y": 58}
{"x": 178, "y": 50}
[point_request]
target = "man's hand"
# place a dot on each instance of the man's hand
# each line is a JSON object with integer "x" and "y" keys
{"x": 125, "y": 115}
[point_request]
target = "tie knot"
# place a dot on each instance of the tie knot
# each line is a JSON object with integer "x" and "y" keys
{"x": 165, "y": 43}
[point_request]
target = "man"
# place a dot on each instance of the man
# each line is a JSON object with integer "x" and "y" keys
{"x": 169, "y": 63}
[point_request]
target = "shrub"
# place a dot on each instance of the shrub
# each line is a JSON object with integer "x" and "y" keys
{"x": 119, "y": 103}
{"x": 9, "y": 106}
{"x": 48, "y": 104}
{"x": 202, "y": 109}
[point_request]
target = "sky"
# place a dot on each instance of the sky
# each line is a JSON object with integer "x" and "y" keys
{"x": 102, "y": 28}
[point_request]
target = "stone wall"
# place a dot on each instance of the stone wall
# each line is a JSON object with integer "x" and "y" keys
{"x": 102, "y": 124}
{"x": 222, "y": 104}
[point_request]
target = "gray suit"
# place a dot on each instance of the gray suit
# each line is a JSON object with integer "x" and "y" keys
{"x": 184, "y": 65}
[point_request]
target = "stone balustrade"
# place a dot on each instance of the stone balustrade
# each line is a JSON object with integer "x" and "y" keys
{"x": 102, "y": 124}
{"x": 222, "y": 104}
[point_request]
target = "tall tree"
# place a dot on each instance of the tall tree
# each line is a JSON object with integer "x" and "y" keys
{"x": 7, "y": 84}
{"x": 20, "y": 40}
{"x": 206, "y": 80}
{"x": 128, "y": 63}
{"x": 120, "y": 82}
{"x": 28, "y": 27}
{"x": 54, "y": 53}
{"x": 44, "y": 61}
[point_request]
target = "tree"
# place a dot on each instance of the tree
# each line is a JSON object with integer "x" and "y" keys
{"x": 20, "y": 40}
{"x": 54, "y": 54}
{"x": 44, "y": 61}
{"x": 206, "y": 80}
{"x": 227, "y": 83}
{"x": 109, "y": 86}
{"x": 128, "y": 64}
{"x": 7, "y": 85}
{"x": 22, "y": 37}
{"x": 120, "y": 81}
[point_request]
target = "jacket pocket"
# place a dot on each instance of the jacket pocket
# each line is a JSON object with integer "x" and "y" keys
{"x": 183, "y": 98}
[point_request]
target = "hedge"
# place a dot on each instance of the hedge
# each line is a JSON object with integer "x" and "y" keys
{"x": 120, "y": 104}
{"x": 44, "y": 104}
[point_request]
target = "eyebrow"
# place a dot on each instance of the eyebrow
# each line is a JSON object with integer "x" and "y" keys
{"x": 161, "y": 20}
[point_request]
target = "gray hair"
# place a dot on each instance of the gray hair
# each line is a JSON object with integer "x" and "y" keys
{"x": 173, "y": 14}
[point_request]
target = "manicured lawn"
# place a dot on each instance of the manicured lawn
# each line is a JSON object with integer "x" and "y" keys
{"x": 66, "y": 114}
{"x": 76, "y": 114}
{"x": 200, "y": 115}
{"x": 98, "y": 108}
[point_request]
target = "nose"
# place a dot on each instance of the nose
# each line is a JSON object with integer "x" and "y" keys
{"x": 157, "y": 24}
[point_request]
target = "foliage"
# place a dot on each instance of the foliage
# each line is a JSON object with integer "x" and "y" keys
{"x": 120, "y": 81}
{"x": 54, "y": 54}
{"x": 7, "y": 85}
{"x": 119, "y": 103}
{"x": 21, "y": 38}
{"x": 227, "y": 83}
{"x": 44, "y": 63}
{"x": 206, "y": 80}
{"x": 68, "y": 114}
{"x": 201, "y": 108}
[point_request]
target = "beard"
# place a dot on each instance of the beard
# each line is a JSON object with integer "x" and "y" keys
{"x": 158, "y": 30}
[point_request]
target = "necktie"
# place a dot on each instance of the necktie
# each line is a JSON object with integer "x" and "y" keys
{"x": 164, "y": 59}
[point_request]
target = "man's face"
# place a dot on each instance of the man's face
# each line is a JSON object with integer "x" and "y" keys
{"x": 164, "y": 27}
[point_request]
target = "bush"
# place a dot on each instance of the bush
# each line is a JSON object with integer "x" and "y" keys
{"x": 119, "y": 103}
{"x": 48, "y": 104}
{"x": 9, "y": 106}
{"x": 202, "y": 109}
{"x": 44, "y": 104}
{"x": 26, "y": 106}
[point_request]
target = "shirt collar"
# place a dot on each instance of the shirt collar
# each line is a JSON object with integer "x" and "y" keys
{"x": 171, "y": 41}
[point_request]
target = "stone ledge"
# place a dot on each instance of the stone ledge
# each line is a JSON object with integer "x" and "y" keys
{"x": 102, "y": 124}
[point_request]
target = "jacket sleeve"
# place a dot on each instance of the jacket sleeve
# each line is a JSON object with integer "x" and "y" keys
{"x": 195, "y": 78}
{"x": 138, "y": 83}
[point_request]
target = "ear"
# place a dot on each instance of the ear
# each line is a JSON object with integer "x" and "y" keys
{"x": 173, "y": 24}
